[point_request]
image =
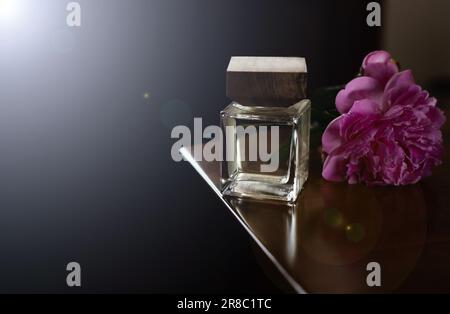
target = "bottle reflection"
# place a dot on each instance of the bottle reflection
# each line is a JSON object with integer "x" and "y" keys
{"x": 273, "y": 223}
{"x": 327, "y": 238}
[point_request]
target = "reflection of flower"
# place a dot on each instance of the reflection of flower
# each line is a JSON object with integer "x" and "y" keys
{"x": 389, "y": 130}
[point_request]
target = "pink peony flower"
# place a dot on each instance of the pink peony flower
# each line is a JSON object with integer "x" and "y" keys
{"x": 389, "y": 130}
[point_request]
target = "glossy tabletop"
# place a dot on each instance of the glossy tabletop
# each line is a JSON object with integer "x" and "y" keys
{"x": 324, "y": 242}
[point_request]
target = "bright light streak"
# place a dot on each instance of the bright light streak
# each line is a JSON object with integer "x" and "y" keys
{"x": 9, "y": 11}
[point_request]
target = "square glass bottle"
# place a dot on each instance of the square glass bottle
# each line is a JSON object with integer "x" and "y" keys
{"x": 266, "y": 150}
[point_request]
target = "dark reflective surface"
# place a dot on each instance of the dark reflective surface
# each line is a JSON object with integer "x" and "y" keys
{"x": 324, "y": 242}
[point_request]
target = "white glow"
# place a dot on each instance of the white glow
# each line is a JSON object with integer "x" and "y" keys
{"x": 9, "y": 11}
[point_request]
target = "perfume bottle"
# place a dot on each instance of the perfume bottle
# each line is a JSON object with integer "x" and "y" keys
{"x": 266, "y": 128}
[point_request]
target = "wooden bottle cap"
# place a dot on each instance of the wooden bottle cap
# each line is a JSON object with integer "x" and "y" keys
{"x": 267, "y": 81}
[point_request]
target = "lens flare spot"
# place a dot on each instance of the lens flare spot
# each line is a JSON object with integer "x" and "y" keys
{"x": 355, "y": 232}
{"x": 333, "y": 217}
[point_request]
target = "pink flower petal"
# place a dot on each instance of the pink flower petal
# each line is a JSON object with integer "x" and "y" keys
{"x": 380, "y": 66}
{"x": 357, "y": 89}
{"x": 389, "y": 131}
{"x": 366, "y": 106}
{"x": 377, "y": 57}
{"x": 401, "y": 79}
{"x": 331, "y": 138}
{"x": 334, "y": 169}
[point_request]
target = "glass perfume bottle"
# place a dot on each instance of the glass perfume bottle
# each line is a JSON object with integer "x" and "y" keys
{"x": 266, "y": 129}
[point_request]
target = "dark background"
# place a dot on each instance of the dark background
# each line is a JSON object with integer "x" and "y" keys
{"x": 86, "y": 173}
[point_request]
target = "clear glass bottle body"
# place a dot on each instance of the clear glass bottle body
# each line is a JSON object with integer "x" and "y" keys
{"x": 266, "y": 151}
